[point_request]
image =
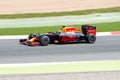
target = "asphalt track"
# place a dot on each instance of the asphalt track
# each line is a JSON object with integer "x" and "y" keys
{"x": 105, "y": 48}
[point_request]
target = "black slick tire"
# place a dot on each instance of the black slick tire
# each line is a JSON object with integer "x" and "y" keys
{"x": 44, "y": 40}
{"x": 91, "y": 38}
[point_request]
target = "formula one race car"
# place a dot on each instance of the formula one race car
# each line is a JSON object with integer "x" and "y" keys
{"x": 69, "y": 35}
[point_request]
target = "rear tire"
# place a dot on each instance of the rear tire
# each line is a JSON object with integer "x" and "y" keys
{"x": 91, "y": 38}
{"x": 44, "y": 40}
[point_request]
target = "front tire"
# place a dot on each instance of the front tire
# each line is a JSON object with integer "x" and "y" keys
{"x": 44, "y": 40}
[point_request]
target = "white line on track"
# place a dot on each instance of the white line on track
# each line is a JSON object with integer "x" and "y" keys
{"x": 25, "y": 36}
{"x": 50, "y": 63}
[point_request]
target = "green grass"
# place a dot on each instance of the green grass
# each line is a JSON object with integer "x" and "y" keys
{"x": 90, "y": 66}
{"x": 81, "y": 12}
{"x": 101, "y": 27}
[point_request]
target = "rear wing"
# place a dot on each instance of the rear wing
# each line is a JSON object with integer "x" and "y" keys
{"x": 88, "y": 29}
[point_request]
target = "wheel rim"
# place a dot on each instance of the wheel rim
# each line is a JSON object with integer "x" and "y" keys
{"x": 46, "y": 41}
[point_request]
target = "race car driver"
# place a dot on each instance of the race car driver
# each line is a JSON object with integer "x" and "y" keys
{"x": 69, "y": 29}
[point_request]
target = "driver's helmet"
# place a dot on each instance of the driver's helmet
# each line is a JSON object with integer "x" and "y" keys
{"x": 63, "y": 29}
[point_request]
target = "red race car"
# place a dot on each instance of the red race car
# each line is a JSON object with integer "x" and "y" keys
{"x": 65, "y": 35}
